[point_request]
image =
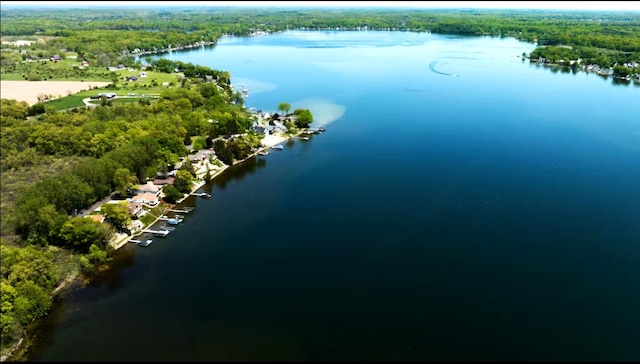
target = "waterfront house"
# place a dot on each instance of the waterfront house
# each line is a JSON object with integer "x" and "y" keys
{"x": 149, "y": 187}
{"x": 134, "y": 208}
{"x": 143, "y": 74}
{"x": 261, "y": 130}
{"x": 145, "y": 198}
{"x": 278, "y": 128}
{"x": 164, "y": 181}
{"x": 132, "y": 78}
{"x": 55, "y": 58}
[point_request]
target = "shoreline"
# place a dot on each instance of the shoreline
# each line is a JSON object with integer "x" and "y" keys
{"x": 271, "y": 141}
{"x": 121, "y": 242}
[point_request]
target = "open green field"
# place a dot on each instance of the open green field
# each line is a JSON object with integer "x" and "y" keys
{"x": 152, "y": 85}
{"x": 64, "y": 70}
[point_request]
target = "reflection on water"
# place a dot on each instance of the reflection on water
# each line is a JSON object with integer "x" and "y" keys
{"x": 238, "y": 172}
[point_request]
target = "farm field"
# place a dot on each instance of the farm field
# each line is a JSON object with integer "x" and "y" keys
{"x": 30, "y": 90}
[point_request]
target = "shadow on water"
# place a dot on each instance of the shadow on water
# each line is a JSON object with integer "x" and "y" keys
{"x": 111, "y": 277}
{"x": 620, "y": 82}
{"x": 238, "y": 172}
{"x": 40, "y": 334}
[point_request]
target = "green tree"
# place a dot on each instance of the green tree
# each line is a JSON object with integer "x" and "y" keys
{"x": 207, "y": 176}
{"x": 183, "y": 181}
{"x": 284, "y": 107}
{"x": 124, "y": 181}
{"x": 117, "y": 214}
{"x": 223, "y": 152}
{"x": 187, "y": 165}
{"x": 97, "y": 255}
{"x": 187, "y": 139}
{"x": 31, "y": 302}
{"x": 11, "y": 328}
{"x": 621, "y": 71}
{"x": 303, "y": 118}
{"x": 36, "y": 220}
{"x": 171, "y": 194}
{"x": 81, "y": 232}
{"x": 199, "y": 144}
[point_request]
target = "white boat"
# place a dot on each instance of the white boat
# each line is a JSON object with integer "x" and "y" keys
{"x": 161, "y": 233}
{"x": 145, "y": 242}
{"x": 279, "y": 147}
{"x": 263, "y": 153}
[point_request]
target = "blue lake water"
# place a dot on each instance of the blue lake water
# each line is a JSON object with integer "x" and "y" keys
{"x": 462, "y": 205}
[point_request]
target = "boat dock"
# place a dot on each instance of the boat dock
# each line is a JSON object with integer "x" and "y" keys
{"x": 314, "y": 130}
{"x": 158, "y": 232}
{"x": 201, "y": 194}
{"x": 145, "y": 242}
{"x": 180, "y": 211}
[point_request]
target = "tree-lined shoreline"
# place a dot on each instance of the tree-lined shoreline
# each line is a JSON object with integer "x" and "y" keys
{"x": 109, "y": 36}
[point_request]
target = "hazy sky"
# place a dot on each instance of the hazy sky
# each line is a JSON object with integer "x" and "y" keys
{"x": 557, "y": 5}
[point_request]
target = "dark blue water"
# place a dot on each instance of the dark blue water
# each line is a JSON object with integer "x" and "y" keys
{"x": 462, "y": 205}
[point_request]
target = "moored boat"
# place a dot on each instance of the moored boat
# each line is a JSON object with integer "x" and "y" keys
{"x": 145, "y": 242}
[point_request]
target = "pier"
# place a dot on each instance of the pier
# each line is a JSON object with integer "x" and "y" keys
{"x": 158, "y": 232}
{"x": 201, "y": 194}
{"x": 314, "y": 130}
{"x": 180, "y": 211}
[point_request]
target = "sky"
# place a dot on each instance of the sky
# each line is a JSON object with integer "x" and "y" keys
{"x": 552, "y": 5}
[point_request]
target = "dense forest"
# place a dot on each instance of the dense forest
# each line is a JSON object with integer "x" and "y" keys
{"x": 56, "y": 163}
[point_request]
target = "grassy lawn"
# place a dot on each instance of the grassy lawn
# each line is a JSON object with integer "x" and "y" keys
{"x": 152, "y": 78}
{"x": 152, "y": 85}
{"x": 75, "y": 100}
{"x": 67, "y": 102}
{"x": 152, "y": 214}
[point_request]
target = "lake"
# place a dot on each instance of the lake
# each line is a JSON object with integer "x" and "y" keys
{"x": 462, "y": 204}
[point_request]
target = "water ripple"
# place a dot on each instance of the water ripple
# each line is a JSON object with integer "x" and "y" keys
{"x": 432, "y": 67}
